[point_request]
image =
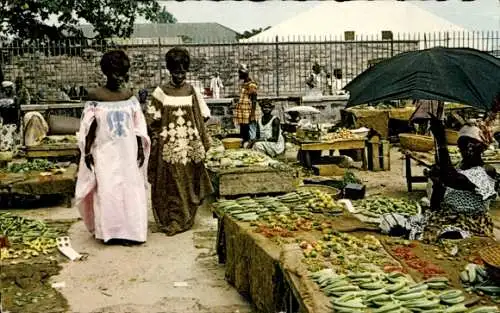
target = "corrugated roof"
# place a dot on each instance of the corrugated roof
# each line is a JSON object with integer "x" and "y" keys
{"x": 197, "y": 32}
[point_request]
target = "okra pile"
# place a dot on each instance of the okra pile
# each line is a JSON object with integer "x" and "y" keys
{"x": 379, "y": 292}
{"x": 302, "y": 203}
{"x": 27, "y": 237}
{"x": 377, "y": 206}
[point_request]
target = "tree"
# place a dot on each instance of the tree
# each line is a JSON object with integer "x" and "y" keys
{"x": 27, "y": 19}
{"x": 164, "y": 17}
{"x": 247, "y": 34}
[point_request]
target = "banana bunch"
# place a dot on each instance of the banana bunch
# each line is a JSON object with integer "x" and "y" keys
{"x": 378, "y": 292}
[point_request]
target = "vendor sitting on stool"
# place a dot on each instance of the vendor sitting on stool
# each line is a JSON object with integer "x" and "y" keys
{"x": 461, "y": 196}
{"x": 269, "y": 138}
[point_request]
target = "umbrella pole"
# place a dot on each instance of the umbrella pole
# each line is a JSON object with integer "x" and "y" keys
{"x": 440, "y": 111}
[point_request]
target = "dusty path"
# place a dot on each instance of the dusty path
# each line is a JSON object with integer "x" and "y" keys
{"x": 166, "y": 275}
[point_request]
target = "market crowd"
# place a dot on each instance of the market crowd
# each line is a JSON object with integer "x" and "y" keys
{"x": 127, "y": 142}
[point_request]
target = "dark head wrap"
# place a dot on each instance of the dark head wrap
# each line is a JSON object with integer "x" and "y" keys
{"x": 177, "y": 56}
{"x": 115, "y": 61}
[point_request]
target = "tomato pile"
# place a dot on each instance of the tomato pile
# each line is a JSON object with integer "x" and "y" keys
{"x": 426, "y": 268}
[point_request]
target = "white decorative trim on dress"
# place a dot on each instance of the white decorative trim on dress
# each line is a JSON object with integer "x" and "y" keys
{"x": 166, "y": 100}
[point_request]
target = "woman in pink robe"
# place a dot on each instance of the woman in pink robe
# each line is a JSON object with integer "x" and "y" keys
{"x": 111, "y": 188}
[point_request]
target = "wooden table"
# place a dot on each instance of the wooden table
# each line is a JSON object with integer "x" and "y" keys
{"x": 254, "y": 180}
{"x": 33, "y": 184}
{"x": 345, "y": 144}
{"x": 57, "y": 150}
{"x": 422, "y": 159}
{"x": 426, "y": 160}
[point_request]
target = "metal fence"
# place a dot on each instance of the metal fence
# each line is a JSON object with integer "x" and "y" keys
{"x": 280, "y": 65}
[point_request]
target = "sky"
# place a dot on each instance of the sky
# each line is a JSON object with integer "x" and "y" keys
{"x": 246, "y": 15}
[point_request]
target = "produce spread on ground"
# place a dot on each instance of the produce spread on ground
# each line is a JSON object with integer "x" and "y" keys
{"x": 368, "y": 272}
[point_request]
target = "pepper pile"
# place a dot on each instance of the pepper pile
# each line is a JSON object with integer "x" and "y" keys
{"x": 426, "y": 268}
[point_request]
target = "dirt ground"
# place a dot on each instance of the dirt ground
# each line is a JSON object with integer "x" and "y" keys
{"x": 172, "y": 274}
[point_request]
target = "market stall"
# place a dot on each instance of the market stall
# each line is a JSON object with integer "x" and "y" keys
{"x": 378, "y": 117}
{"x": 312, "y": 142}
{"x": 427, "y": 159}
{"x": 37, "y": 178}
{"x": 304, "y": 252}
{"x": 237, "y": 172}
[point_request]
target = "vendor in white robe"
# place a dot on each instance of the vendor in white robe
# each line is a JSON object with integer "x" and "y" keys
{"x": 269, "y": 139}
{"x": 216, "y": 85}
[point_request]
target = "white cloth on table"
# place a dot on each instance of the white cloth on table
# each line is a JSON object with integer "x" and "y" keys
{"x": 112, "y": 197}
{"x": 35, "y": 128}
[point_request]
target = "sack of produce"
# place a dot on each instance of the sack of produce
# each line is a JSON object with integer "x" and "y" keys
{"x": 63, "y": 125}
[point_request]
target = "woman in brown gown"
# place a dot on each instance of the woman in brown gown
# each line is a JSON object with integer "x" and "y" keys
{"x": 179, "y": 180}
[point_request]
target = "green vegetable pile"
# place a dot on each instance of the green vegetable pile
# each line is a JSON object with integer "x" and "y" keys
{"x": 39, "y": 165}
{"x": 302, "y": 202}
{"x": 477, "y": 279}
{"x": 384, "y": 293}
{"x": 59, "y": 139}
{"x": 350, "y": 178}
{"x": 377, "y": 206}
{"x": 27, "y": 237}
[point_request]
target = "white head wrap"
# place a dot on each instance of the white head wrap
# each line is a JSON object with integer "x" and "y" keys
{"x": 243, "y": 68}
{"x": 472, "y": 132}
{"x": 6, "y": 84}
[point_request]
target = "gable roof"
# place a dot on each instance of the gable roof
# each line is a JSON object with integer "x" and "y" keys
{"x": 332, "y": 18}
{"x": 197, "y": 32}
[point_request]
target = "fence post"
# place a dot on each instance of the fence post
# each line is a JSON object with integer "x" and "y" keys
{"x": 159, "y": 62}
{"x": 277, "y": 67}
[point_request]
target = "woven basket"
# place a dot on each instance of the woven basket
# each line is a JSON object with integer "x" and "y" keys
{"x": 334, "y": 192}
{"x": 451, "y": 137}
{"x": 491, "y": 258}
{"x": 416, "y": 143}
{"x": 232, "y": 143}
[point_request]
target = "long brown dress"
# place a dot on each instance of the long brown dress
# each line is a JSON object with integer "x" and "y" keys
{"x": 179, "y": 180}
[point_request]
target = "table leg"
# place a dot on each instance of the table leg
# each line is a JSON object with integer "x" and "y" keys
{"x": 308, "y": 159}
{"x": 68, "y": 200}
{"x": 221, "y": 242}
{"x": 364, "y": 156}
{"x": 408, "y": 173}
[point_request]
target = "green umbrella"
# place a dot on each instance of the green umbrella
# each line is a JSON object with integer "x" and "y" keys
{"x": 466, "y": 76}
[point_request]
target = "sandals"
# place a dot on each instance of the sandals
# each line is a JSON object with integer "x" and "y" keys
{"x": 64, "y": 246}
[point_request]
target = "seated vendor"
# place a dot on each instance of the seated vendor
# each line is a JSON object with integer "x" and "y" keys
{"x": 269, "y": 138}
{"x": 461, "y": 196}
